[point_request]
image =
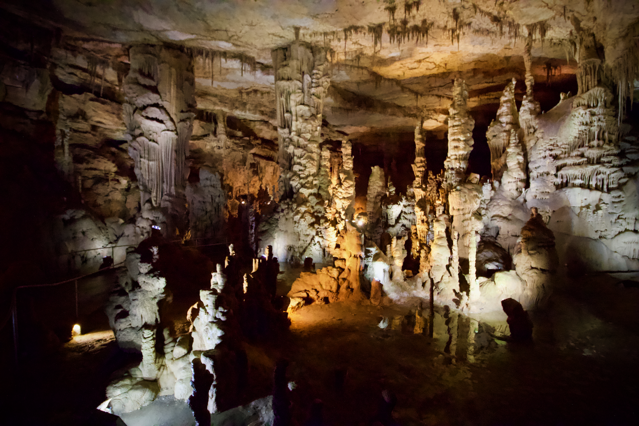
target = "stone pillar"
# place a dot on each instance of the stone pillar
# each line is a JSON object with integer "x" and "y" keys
{"x": 158, "y": 112}
{"x": 529, "y": 107}
{"x": 498, "y": 134}
{"x": 460, "y": 136}
{"x": 513, "y": 180}
{"x": 301, "y": 81}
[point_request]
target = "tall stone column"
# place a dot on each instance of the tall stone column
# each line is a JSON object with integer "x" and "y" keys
{"x": 529, "y": 107}
{"x": 498, "y": 134}
{"x": 301, "y": 81}
{"x": 158, "y": 112}
{"x": 420, "y": 187}
{"x": 460, "y": 136}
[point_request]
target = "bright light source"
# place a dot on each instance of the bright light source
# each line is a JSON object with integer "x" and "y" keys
{"x": 76, "y": 331}
{"x": 243, "y": 202}
{"x": 360, "y": 222}
{"x": 155, "y": 227}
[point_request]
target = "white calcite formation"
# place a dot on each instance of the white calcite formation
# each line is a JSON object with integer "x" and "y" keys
{"x": 460, "y": 136}
{"x": 301, "y": 81}
{"x": 440, "y": 254}
{"x": 465, "y": 209}
{"x": 158, "y": 114}
{"x": 135, "y": 303}
{"x": 499, "y": 131}
{"x": 168, "y": 370}
{"x": 513, "y": 181}
{"x": 581, "y": 181}
{"x": 529, "y": 107}
{"x": 423, "y": 206}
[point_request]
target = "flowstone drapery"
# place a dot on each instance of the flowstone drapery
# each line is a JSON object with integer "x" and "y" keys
{"x": 158, "y": 113}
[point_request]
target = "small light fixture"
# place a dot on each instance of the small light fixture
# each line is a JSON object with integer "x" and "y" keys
{"x": 360, "y": 222}
{"x": 243, "y": 202}
{"x": 155, "y": 227}
{"x": 76, "y": 330}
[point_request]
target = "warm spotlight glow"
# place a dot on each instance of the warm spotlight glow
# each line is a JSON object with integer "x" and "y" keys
{"x": 360, "y": 222}
{"x": 76, "y": 331}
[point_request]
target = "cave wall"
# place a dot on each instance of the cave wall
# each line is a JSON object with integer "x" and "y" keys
{"x": 71, "y": 154}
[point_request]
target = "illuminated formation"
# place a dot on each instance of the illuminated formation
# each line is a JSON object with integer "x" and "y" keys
{"x": 339, "y": 192}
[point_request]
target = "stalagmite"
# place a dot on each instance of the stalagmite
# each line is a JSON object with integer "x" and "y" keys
{"x": 498, "y": 133}
{"x": 513, "y": 180}
{"x": 301, "y": 82}
{"x": 460, "y": 136}
{"x": 420, "y": 191}
{"x": 300, "y": 86}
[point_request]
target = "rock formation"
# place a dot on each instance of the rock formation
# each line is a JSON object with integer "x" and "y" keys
{"x": 460, "y": 136}
{"x": 499, "y": 132}
{"x": 158, "y": 114}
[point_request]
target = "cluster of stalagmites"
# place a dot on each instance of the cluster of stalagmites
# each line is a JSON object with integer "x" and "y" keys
{"x": 201, "y": 362}
{"x": 415, "y": 244}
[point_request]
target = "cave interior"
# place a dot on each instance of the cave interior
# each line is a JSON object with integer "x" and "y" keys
{"x": 377, "y": 212}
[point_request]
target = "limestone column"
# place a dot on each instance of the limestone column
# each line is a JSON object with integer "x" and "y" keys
{"x": 498, "y": 134}
{"x": 513, "y": 180}
{"x": 420, "y": 187}
{"x": 460, "y": 136}
{"x": 529, "y": 107}
{"x": 158, "y": 112}
{"x": 301, "y": 81}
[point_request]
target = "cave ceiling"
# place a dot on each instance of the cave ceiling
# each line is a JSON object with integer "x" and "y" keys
{"x": 393, "y": 61}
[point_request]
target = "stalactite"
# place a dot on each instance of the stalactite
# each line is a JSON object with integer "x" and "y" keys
{"x": 377, "y": 31}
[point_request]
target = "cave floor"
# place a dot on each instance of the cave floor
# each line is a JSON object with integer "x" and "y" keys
{"x": 584, "y": 376}
{"x": 581, "y": 369}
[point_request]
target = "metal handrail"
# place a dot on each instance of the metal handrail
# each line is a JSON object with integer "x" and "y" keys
{"x": 14, "y": 300}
